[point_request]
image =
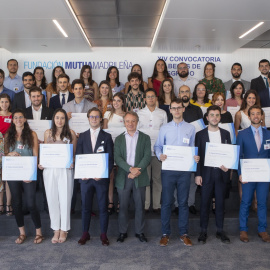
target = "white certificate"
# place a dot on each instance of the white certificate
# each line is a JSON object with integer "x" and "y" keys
{"x": 79, "y": 122}
{"x": 19, "y": 168}
{"x": 92, "y": 166}
{"x": 179, "y": 158}
{"x": 229, "y": 127}
{"x": 218, "y": 154}
{"x": 199, "y": 125}
{"x": 115, "y": 131}
{"x": 40, "y": 126}
{"x": 233, "y": 110}
{"x": 153, "y": 134}
{"x": 255, "y": 170}
{"x": 267, "y": 116}
{"x": 56, "y": 155}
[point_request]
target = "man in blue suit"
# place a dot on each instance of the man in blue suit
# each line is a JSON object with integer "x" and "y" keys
{"x": 95, "y": 140}
{"x": 252, "y": 141}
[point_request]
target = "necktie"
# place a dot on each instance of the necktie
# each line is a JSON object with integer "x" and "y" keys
{"x": 266, "y": 82}
{"x": 258, "y": 139}
{"x": 93, "y": 140}
{"x": 63, "y": 99}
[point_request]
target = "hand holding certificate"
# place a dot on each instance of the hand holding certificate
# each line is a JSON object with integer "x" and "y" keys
{"x": 255, "y": 170}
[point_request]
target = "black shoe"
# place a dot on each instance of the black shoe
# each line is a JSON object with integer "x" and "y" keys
{"x": 26, "y": 212}
{"x": 141, "y": 237}
{"x": 223, "y": 237}
{"x": 176, "y": 211}
{"x": 121, "y": 237}
{"x": 202, "y": 238}
{"x": 192, "y": 210}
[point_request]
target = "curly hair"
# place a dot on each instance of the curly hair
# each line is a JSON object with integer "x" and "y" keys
{"x": 244, "y": 102}
{"x": 195, "y": 97}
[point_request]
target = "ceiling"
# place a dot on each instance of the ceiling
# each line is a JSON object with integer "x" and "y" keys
{"x": 207, "y": 26}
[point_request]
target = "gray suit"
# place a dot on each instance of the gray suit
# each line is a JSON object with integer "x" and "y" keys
{"x": 229, "y": 83}
{"x": 70, "y": 106}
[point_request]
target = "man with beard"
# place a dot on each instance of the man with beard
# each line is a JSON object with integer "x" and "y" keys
{"x": 184, "y": 78}
{"x": 3, "y": 89}
{"x": 260, "y": 83}
{"x": 236, "y": 72}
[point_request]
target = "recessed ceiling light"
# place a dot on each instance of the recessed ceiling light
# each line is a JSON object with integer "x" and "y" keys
{"x": 60, "y": 28}
{"x": 252, "y": 29}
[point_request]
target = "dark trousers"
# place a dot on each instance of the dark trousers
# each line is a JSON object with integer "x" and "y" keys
{"x": 42, "y": 187}
{"x": 88, "y": 189}
{"x": 74, "y": 195}
{"x": 214, "y": 184}
{"x": 29, "y": 189}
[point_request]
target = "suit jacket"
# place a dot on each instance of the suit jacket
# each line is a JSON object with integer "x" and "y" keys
{"x": 19, "y": 101}
{"x": 258, "y": 84}
{"x": 142, "y": 160}
{"x": 70, "y": 107}
{"x": 55, "y": 101}
{"x": 248, "y": 147}
{"x": 46, "y": 113}
{"x": 201, "y": 139}
{"x": 104, "y": 139}
{"x": 229, "y": 83}
{"x": 264, "y": 97}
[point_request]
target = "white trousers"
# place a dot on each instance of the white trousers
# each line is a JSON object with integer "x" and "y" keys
{"x": 59, "y": 189}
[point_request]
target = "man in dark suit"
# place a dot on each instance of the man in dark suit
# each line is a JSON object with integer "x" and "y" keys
{"x": 95, "y": 140}
{"x": 265, "y": 95}
{"x": 64, "y": 95}
{"x": 212, "y": 179}
{"x": 260, "y": 83}
{"x": 252, "y": 143}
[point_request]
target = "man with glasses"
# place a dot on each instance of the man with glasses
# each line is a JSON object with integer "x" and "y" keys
{"x": 151, "y": 118}
{"x": 184, "y": 78}
{"x": 93, "y": 141}
{"x": 177, "y": 133}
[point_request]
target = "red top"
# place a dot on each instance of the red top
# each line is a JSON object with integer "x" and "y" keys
{"x": 5, "y": 124}
{"x": 156, "y": 85}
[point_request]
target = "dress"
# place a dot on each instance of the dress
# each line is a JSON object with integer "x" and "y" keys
{"x": 5, "y": 122}
{"x": 105, "y": 107}
{"x": 165, "y": 108}
{"x": 156, "y": 85}
{"x": 214, "y": 85}
{"x": 245, "y": 122}
{"x": 59, "y": 189}
{"x": 89, "y": 93}
{"x": 116, "y": 121}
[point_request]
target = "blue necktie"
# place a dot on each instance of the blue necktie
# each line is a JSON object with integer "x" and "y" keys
{"x": 266, "y": 82}
{"x": 63, "y": 99}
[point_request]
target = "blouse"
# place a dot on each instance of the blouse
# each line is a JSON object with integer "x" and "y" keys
{"x": 5, "y": 122}
{"x": 231, "y": 102}
{"x": 104, "y": 107}
{"x": 115, "y": 121}
{"x": 214, "y": 85}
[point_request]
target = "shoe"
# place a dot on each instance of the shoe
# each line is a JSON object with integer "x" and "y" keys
{"x": 121, "y": 237}
{"x": 8, "y": 211}
{"x": 265, "y": 236}
{"x": 157, "y": 211}
{"x": 185, "y": 238}
{"x": 244, "y": 236}
{"x": 2, "y": 211}
{"x": 55, "y": 238}
{"x": 85, "y": 237}
{"x": 104, "y": 239}
{"x": 202, "y": 238}
{"x": 111, "y": 210}
{"x": 20, "y": 239}
{"x": 192, "y": 210}
{"x": 176, "y": 211}
{"x": 164, "y": 240}
{"x": 223, "y": 237}
{"x": 141, "y": 237}
{"x": 38, "y": 239}
{"x": 63, "y": 236}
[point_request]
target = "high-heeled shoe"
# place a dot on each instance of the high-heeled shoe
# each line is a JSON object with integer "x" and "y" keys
{"x": 111, "y": 209}
{"x": 62, "y": 238}
{"x": 8, "y": 211}
{"x": 55, "y": 238}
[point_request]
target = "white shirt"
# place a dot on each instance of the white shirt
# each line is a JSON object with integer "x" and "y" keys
{"x": 263, "y": 77}
{"x": 37, "y": 114}
{"x": 131, "y": 144}
{"x": 190, "y": 82}
{"x": 66, "y": 97}
{"x": 27, "y": 99}
{"x": 233, "y": 80}
{"x": 214, "y": 136}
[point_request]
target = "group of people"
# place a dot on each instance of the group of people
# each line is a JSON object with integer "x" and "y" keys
{"x": 148, "y": 116}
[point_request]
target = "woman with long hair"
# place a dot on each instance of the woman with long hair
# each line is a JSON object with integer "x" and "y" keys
{"x": 160, "y": 73}
{"x": 40, "y": 80}
{"x": 91, "y": 87}
{"x": 112, "y": 77}
{"x": 20, "y": 140}
{"x": 59, "y": 182}
{"x": 237, "y": 92}
{"x": 200, "y": 96}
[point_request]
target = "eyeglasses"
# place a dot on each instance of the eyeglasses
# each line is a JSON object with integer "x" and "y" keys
{"x": 150, "y": 97}
{"x": 176, "y": 108}
{"x": 94, "y": 117}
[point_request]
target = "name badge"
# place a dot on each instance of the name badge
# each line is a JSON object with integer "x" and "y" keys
{"x": 135, "y": 110}
{"x": 186, "y": 140}
{"x": 267, "y": 145}
{"x": 100, "y": 149}
{"x": 16, "y": 89}
{"x": 20, "y": 146}
{"x": 7, "y": 120}
{"x": 66, "y": 140}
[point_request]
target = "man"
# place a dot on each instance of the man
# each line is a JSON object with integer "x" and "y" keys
{"x": 236, "y": 72}
{"x": 64, "y": 95}
{"x": 178, "y": 133}
{"x": 132, "y": 154}
{"x": 13, "y": 81}
{"x": 184, "y": 78}
{"x": 260, "y": 83}
{"x": 93, "y": 141}
{"x": 151, "y": 118}
{"x": 3, "y": 89}
{"x": 22, "y": 99}
{"x": 212, "y": 179}
{"x": 252, "y": 143}
{"x": 265, "y": 95}
{"x": 135, "y": 99}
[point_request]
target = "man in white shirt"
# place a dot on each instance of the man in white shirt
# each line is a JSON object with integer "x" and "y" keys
{"x": 184, "y": 79}
{"x": 151, "y": 118}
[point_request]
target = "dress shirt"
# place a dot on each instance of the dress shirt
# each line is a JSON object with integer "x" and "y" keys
{"x": 131, "y": 143}
{"x": 37, "y": 114}
{"x": 78, "y": 106}
{"x": 260, "y": 132}
{"x": 135, "y": 101}
{"x": 263, "y": 77}
{"x": 182, "y": 134}
{"x": 66, "y": 97}
{"x": 96, "y": 133}
{"x": 233, "y": 80}
{"x": 190, "y": 82}
{"x": 9, "y": 92}
{"x": 27, "y": 99}
{"x": 15, "y": 84}
{"x": 192, "y": 113}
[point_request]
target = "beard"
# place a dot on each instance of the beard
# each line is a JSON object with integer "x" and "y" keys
{"x": 185, "y": 99}
{"x": 183, "y": 75}
{"x": 237, "y": 75}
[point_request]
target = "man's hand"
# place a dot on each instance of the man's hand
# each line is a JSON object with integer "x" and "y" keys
{"x": 40, "y": 167}
{"x": 198, "y": 180}
{"x": 162, "y": 157}
{"x": 223, "y": 168}
{"x": 240, "y": 179}
{"x": 69, "y": 115}
{"x": 135, "y": 171}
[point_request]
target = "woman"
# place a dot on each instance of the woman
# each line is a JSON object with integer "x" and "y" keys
{"x": 200, "y": 97}
{"x": 160, "y": 73}
{"x": 5, "y": 122}
{"x": 114, "y": 119}
{"x": 91, "y": 87}
{"x": 212, "y": 83}
{"x": 166, "y": 95}
{"x": 105, "y": 97}
{"x": 237, "y": 92}
{"x": 143, "y": 86}
{"x": 112, "y": 77}
{"x": 20, "y": 140}
{"x": 40, "y": 80}
{"x": 59, "y": 182}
